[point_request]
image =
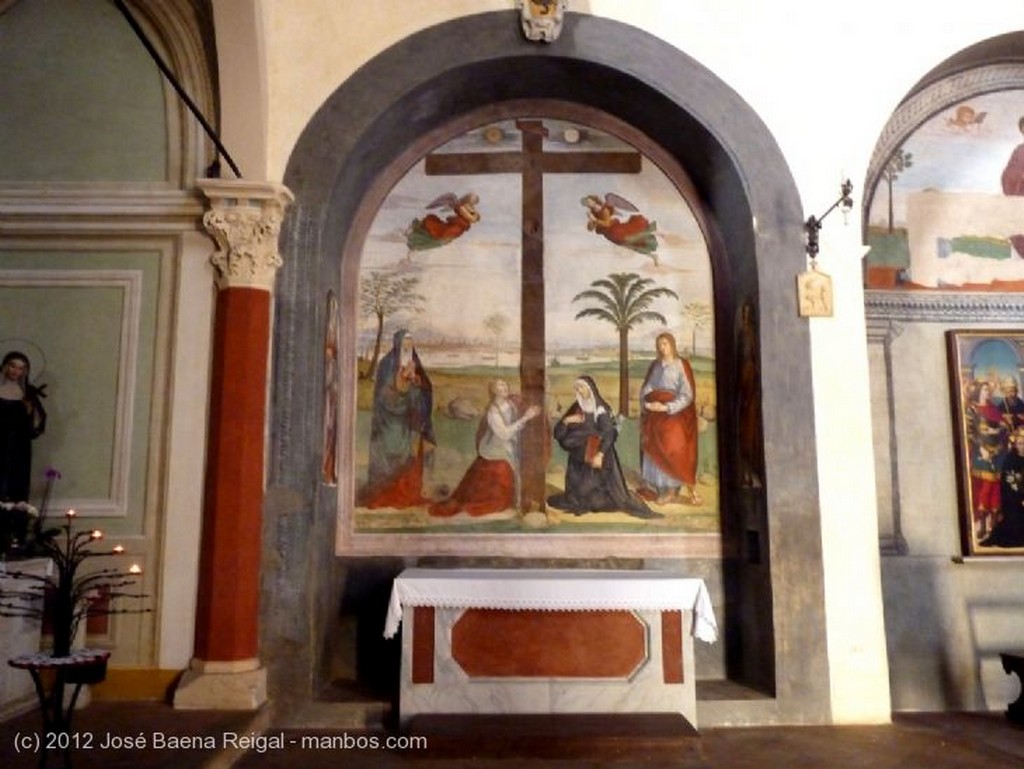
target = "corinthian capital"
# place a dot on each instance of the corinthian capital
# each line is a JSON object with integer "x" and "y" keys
{"x": 244, "y": 219}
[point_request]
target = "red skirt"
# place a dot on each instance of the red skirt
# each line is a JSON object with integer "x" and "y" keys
{"x": 487, "y": 487}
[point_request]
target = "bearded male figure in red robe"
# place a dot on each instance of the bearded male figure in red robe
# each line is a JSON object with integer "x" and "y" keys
{"x": 668, "y": 427}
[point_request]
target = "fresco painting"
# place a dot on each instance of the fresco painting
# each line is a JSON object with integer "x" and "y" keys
{"x": 945, "y": 213}
{"x": 491, "y": 322}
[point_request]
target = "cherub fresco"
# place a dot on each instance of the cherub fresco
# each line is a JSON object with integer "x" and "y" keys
{"x": 965, "y": 118}
{"x": 635, "y": 233}
{"x": 433, "y": 232}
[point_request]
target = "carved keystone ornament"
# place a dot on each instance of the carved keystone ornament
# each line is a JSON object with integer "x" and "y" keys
{"x": 542, "y": 19}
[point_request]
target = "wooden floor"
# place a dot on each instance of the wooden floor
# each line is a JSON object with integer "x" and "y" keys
{"x": 191, "y": 739}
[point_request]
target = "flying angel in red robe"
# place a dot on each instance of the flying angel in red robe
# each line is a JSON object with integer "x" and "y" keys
{"x": 433, "y": 232}
{"x": 635, "y": 233}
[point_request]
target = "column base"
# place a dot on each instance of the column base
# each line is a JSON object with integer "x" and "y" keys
{"x": 237, "y": 685}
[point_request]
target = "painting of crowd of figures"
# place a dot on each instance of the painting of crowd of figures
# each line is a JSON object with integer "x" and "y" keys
{"x": 988, "y": 418}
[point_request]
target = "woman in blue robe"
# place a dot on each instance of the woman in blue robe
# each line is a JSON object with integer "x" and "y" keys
{"x": 401, "y": 429}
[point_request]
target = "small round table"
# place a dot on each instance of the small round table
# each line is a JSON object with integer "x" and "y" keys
{"x": 80, "y": 667}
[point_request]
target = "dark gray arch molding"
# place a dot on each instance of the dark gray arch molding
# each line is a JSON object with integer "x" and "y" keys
{"x": 775, "y": 606}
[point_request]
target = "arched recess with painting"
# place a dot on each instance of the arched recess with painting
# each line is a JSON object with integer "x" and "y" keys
{"x": 463, "y": 77}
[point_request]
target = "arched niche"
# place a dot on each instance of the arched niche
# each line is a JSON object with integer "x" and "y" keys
{"x": 964, "y": 115}
{"x": 772, "y": 608}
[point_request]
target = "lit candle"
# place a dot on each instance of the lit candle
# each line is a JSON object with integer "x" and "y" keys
{"x": 71, "y": 513}
{"x": 135, "y": 569}
{"x": 96, "y": 534}
{"x": 118, "y": 549}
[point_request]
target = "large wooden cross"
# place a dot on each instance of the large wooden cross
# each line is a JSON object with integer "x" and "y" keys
{"x": 532, "y": 162}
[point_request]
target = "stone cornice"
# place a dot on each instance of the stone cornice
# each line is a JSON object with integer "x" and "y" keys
{"x": 55, "y": 209}
{"x": 944, "y": 307}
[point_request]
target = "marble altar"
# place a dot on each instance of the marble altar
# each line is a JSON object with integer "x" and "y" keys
{"x": 548, "y": 641}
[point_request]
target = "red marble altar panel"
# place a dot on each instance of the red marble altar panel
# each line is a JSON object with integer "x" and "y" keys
{"x": 672, "y": 647}
{"x": 423, "y": 645}
{"x": 549, "y": 644}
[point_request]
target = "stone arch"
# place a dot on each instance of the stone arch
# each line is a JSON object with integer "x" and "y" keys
{"x": 744, "y": 186}
{"x": 181, "y": 31}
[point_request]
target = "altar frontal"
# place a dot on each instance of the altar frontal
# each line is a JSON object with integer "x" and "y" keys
{"x": 548, "y": 641}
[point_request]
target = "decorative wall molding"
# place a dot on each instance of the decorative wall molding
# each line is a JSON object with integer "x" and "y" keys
{"x": 130, "y": 284}
{"x": 49, "y": 209}
{"x": 891, "y": 541}
{"x": 944, "y": 307}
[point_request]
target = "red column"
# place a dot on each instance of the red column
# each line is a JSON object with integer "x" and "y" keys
{"x": 227, "y": 612}
{"x": 244, "y": 219}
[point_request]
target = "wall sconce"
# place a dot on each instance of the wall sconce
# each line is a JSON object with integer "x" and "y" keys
{"x": 813, "y": 287}
{"x": 813, "y": 224}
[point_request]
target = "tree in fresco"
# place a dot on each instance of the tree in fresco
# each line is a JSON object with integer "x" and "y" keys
{"x": 381, "y": 295}
{"x": 624, "y": 300}
{"x": 699, "y": 314}
{"x": 496, "y": 323}
{"x": 900, "y": 161}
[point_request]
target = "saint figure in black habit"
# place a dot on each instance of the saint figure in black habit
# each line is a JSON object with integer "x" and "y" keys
{"x": 594, "y": 481}
{"x": 22, "y": 420}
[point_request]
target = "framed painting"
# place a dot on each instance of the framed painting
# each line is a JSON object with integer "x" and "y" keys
{"x": 500, "y": 312}
{"x": 986, "y": 368}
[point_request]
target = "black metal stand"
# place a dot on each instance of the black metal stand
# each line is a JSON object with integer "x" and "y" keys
{"x": 81, "y": 667}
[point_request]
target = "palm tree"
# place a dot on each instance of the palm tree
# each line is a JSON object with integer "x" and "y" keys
{"x": 624, "y": 300}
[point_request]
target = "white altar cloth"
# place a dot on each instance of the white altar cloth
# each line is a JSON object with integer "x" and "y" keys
{"x": 553, "y": 589}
